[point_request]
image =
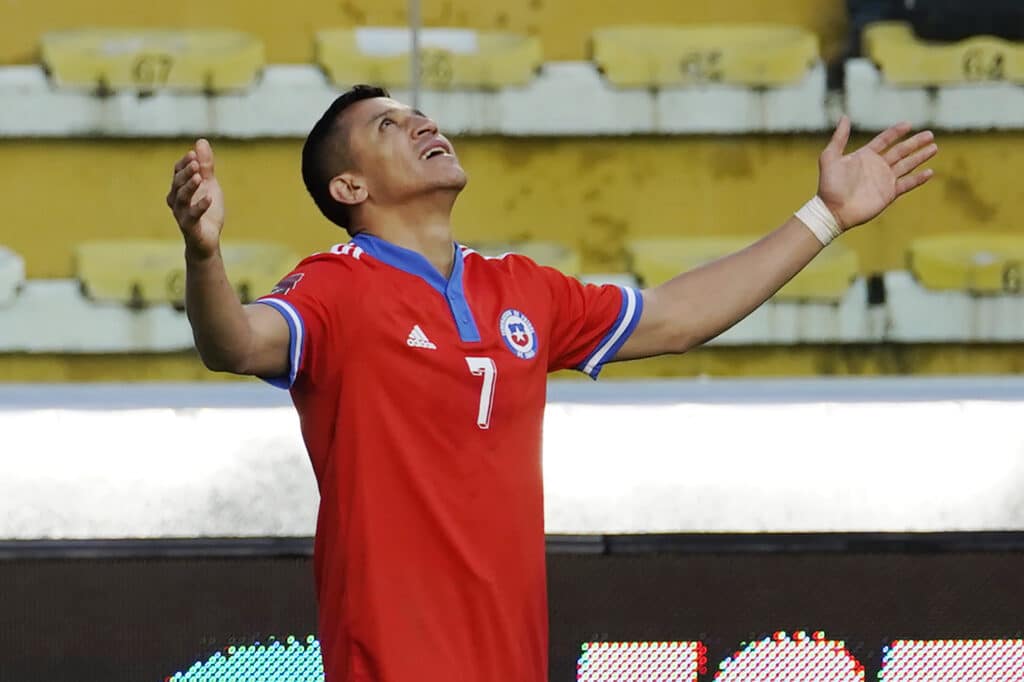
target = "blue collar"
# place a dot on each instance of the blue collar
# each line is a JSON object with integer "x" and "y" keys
{"x": 415, "y": 264}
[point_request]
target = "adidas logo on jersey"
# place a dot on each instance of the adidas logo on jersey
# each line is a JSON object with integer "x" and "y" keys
{"x": 417, "y": 339}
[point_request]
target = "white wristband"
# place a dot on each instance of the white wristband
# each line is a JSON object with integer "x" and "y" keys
{"x": 819, "y": 219}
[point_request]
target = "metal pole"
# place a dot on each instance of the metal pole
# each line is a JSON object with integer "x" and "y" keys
{"x": 414, "y": 52}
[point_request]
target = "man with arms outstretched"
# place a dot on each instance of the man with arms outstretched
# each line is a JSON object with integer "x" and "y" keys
{"x": 418, "y": 368}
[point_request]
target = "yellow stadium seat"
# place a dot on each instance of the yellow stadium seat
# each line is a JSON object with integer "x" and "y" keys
{"x": 147, "y": 272}
{"x": 744, "y": 54}
{"x": 552, "y": 254}
{"x": 906, "y": 60}
{"x": 449, "y": 58}
{"x": 145, "y": 60}
{"x": 974, "y": 263}
{"x": 827, "y": 278}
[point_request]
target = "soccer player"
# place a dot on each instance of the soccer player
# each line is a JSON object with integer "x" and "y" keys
{"x": 418, "y": 368}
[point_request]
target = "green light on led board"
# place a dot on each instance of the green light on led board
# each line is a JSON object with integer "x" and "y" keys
{"x": 294, "y": 660}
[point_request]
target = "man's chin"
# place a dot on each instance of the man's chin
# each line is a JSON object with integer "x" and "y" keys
{"x": 453, "y": 181}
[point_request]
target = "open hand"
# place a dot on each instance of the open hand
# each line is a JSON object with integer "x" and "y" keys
{"x": 197, "y": 201}
{"x": 857, "y": 187}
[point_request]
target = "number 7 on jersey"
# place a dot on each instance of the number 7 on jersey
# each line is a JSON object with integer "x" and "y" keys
{"x": 486, "y": 368}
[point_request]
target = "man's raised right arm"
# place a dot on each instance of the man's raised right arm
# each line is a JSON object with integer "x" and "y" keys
{"x": 230, "y": 337}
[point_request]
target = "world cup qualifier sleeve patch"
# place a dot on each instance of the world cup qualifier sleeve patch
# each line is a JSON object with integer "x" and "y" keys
{"x": 287, "y": 284}
{"x": 518, "y": 333}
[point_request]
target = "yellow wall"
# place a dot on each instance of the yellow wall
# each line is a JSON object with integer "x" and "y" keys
{"x": 591, "y": 193}
{"x": 766, "y": 361}
{"x": 287, "y": 28}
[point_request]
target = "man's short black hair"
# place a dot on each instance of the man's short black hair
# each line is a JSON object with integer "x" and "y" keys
{"x": 325, "y": 153}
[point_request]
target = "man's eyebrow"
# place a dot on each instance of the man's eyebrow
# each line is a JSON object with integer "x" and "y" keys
{"x": 391, "y": 110}
{"x": 382, "y": 114}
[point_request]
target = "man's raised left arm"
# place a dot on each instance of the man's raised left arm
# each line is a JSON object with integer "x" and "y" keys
{"x": 698, "y": 305}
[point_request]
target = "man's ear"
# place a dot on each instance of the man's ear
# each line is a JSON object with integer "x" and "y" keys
{"x": 348, "y": 188}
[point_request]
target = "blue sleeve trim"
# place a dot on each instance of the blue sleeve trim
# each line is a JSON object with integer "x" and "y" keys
{"x": 296, "y": 341}
{"x": 629, "y": 316}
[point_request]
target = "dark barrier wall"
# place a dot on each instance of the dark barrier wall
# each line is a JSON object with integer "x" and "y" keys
{"x": 865, "y": 600}
{"x": 111, "y": 619}
{"x": 94, "y": 620}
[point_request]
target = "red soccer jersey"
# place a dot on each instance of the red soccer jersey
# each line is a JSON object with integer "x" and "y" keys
{"x": 421, "y": 401}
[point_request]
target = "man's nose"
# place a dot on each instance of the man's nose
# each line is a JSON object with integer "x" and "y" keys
{"x": 424, "y": 126}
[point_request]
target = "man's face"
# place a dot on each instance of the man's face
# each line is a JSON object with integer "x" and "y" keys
{"x": 399, "y": 151}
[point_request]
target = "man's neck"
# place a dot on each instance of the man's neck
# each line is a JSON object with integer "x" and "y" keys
{"x": 427, "y": 230}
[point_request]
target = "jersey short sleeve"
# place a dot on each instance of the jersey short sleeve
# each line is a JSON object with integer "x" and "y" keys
{"x": 590, "y": 322}
{"x": 300, "y": 299}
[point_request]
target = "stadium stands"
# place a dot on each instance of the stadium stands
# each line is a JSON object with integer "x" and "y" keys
{"x": 127, "y": 297}
{"x": 450, "y": 58}
{"x": 827, "y": 278}
{"x": 959, "y": 287}
{"x": 667, "y": 56}
{"x": 905, "y": 59}
{"x": 52, "y": 316}
{"x": 827, "y": 302}
{"x": 973, "y": 263}
{"x": 478, "y": 82}
{"x": 685, "y": 80}
{"x": 709, "y": 79}
{"x": 714, "y": 108}
{"x": 146, "y": 272}
{"x": 192, "y": 82}
{"x": 969, "y": 84}
{"x": 719, "y": 79}
{"x": 144, "y": 60}
{"x": 916, "y": 314}
{"x": 571, "y": 98}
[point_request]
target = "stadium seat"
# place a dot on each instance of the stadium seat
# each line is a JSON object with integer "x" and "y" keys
{"x": 140, "y": 272}
{"x": 755, "y": 55}
{"x": 657, "y": 260}
{"x": 450, "y": 58}
{"x": 12, "y": 275}
{"x": 552, "y": 254}
{"x": 906, "y": 60}
{"x": 972, "y": 263}
{"x": 145, "y": 60}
